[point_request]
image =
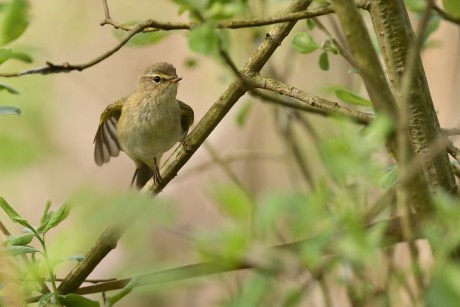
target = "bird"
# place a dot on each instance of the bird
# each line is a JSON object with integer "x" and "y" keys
{"x": 145, "y": 124}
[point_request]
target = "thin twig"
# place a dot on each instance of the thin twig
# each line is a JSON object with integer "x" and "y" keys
{"x": 228, "y": 24}
{"x": 256, "y": 156}
{"x": 446, "y": 16}
{"x": 453, "y": 150}
{"x": 258, "y": 81}
{"x": 51, "y": 68}
{"x": 451, "y": 131}
{"x": 106, "y": 10}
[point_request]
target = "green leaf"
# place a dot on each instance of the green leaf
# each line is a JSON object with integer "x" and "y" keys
{"x": 10, "y": 89}
{"x": 75, "y": 300}
{"x": 19, "y": 250}
{"x": 190, "y": 5}
{"x": 390, "y": 178}
{"x": 8, "y": 209}
{"x": 324, "y": 61}
{"x": 293, "y": 298}
{"x": 57, "y": 217}
{"x": 77, "y": 258}
{"x": 23, "y": 222}
{"x": 203, "y": 39}
{"x": 243, "y": 113}
{"x": 234, "y": 201}
{"x": 352, "y": 98}
{"x": 44, "y": 300}
{"x": 310, "y": 24}
{"x": 14, "y": 21}
{"x": 304, "y": 43}
{"x": 452, "y": 7}
{"x": 416, "y": 6}
{"x": 432, "y": 26}
{"x": 329, "y": 46}
{"x": 219, "y": 10}
{"x": 111, "y": 300}
{"x": 9, "y": 110}
{"x": 444, "y": 287}
{"x": 6, "y": 54}
{"x": 20, "y": 240}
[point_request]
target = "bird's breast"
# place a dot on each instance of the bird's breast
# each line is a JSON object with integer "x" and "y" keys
{"x": 149, "y": 128}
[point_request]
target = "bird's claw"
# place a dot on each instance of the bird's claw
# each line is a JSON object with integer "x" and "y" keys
{"x": 156, "y": 176}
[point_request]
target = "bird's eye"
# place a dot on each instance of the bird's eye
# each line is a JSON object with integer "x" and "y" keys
{"x": 157, "y": 79}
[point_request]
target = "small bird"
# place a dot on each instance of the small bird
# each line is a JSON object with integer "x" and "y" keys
{"x": 145, "y": 124}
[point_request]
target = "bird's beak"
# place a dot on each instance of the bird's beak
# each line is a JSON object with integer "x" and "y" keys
{"x": 175, "y": 80}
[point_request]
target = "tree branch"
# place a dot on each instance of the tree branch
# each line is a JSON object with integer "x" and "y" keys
{"x": 226, "y": 24}
{"x": 51, "y": 68}
{"x": 391, "y": 20}
{"x": 311, "y": 100}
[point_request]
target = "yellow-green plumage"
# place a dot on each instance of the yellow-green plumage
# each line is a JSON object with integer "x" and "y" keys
{"x": 145, "y": 124}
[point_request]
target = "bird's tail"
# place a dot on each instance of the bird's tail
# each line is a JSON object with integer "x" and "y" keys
{"x": 143, "y": 174}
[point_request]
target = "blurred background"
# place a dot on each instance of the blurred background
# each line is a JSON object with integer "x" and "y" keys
{"x": 47, "y": 152}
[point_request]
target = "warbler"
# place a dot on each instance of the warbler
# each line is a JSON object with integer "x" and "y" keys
{"x": 145, "y": 124}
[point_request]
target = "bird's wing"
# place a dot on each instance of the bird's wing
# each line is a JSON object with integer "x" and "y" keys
{"x": 187, "y": 117}
{"x": 106, "y": 140}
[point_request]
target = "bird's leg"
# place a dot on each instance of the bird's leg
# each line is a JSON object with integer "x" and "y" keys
{"x": 156, "y": 173}
{"x": 134, "y": 177}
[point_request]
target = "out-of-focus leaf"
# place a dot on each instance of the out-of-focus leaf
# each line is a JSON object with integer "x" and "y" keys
{"x": 57, "y": 217}
{"x": 9, "y": 110}
{"x": 75, "y": 300}
{"x": 44, "y": 300}
{"x": 329, "y": 46}
{"x": 19, "y": 250}
{"x": 310, "y": 24}
{"x": 324, "y": 61}
{"x": 8, "y": 209}
{"x": 77, "y": 258}
{"x": 452, "y": 7}
{"x": 10, "y": 89}
{"x": 219, "y": 10}
{"x": 243, "y": 113}
{"x": 14, "y": 21}
{"x": 203, "y": 39}
{"x": 304, "y": 43}
{"x": 234, "y": 202}
{"x": 20, "y": 240}
{"x": 390, "y": 178}
{"x": 352, "y": 98}
{"x": 111, "y": 300}
{"x": 141, "y": 39}
{"x": 444, "y": 287}
{"x": 190, "y": 5}
{"x": 6, "y": 54}
{"x": 416, "y": 6}
{"x": 16, "y": 153}
{"x": 433, "y": 25}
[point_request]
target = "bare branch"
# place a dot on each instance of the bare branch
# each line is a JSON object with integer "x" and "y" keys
{"x": 446, "y": 16}
{"x": 51, "y": 68}
{"x": 313, "y": 101}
